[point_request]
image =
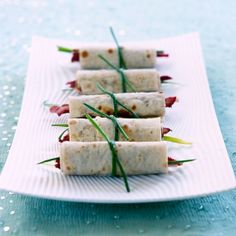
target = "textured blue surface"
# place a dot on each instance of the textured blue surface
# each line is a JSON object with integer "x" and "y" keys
{"x": 139, "y": 20}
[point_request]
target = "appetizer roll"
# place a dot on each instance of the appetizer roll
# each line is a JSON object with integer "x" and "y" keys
{"x": 149, "y": 129}
{"x": 143, "y": 104}
{"x": 95, "y": 158}
{"x": 134, "y": 57}
{"x": 143, "y": 80}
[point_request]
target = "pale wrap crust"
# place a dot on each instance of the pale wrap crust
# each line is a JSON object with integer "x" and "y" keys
{"x": 138, "y": 130}
{"x": 94, "y": 158}
{"x": 144, "y": 104}
{"x": 142, "y": 80}
{"x": 134, "y": 57}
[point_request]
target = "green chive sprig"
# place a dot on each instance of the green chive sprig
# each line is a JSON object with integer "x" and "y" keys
{"x": 179, "y": 162}
{"x": 113, "y": 119}
{"x": 112, "y": 146}
{"x": 49, "y": 160}
{"x": 123, "y": 77}
{"x": 119, "y": 50}
{"x": 116, "y": 103}
{"x": 175, "y": 140}
{"x": 63, "y": 49}
{"x": 60, "y": 125}
{"x": 61, "y": 135}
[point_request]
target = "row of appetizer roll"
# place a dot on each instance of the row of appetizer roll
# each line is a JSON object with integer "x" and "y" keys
{"x": 115, "y": 125}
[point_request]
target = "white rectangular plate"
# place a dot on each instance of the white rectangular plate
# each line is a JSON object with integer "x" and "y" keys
{"x": 193, "y": 119}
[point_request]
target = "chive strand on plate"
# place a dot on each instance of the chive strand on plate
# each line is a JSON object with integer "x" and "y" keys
{"x": 175, "y": 140}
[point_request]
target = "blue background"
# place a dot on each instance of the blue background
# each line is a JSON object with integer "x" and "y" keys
{"x": 132, "y": 20}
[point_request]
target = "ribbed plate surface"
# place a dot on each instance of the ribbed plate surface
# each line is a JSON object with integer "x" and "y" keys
{"x": 193, "y": 119}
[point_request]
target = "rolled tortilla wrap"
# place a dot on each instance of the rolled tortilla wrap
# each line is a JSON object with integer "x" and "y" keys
{"x": 134, "y": 57}
{"x": 142, "y": 80}
{"x": 95, "y": 158}
{"x": 144, "y": 104}
{"x": 137, "y": 129}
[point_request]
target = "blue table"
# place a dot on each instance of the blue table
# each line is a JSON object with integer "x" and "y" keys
{"x": 139, "y": 20}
